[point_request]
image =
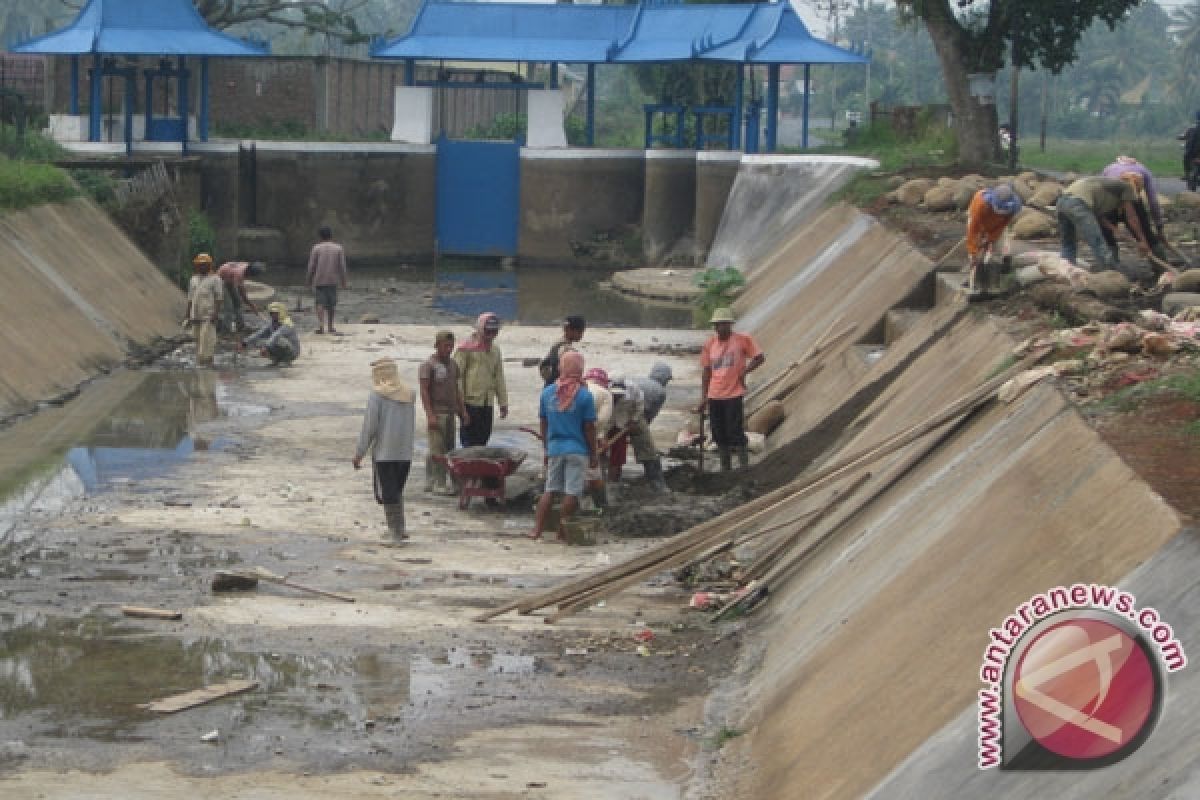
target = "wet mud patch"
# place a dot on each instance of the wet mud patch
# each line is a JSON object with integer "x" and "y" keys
{"x": 643, "y": 512}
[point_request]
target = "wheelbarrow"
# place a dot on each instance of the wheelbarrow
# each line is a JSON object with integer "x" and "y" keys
{"x": 473, "y": 468}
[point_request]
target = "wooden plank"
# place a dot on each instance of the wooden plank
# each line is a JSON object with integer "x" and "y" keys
{"x": 271, "y": 577}
{"x": 150, "y": 613}
{"x": 198, "y": 697}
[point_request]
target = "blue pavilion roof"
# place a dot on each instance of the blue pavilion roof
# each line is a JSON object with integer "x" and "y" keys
{"x": 758, "y": 33}
{"x": 140, "y": 27}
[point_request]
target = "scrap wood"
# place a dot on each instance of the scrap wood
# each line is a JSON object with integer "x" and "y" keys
{"x": 270, "y": 577}
{"x": 580, "y": 594}
{"x": 198, "y": 697}
{"x": 150, "y": 613}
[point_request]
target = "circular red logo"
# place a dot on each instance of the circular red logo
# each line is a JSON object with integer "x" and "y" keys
{"x": 1084, "y": 689}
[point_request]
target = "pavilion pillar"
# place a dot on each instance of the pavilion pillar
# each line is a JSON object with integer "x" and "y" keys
{"x": 410, "y": 72}
{"x": 130, "y": 103}
{"x": 75, "y": 85}
{"x": 97, "y": 78}
{"x": 181, "y": 75}
{"x": 148, "y": 76}
{"x": 804, "y": 124}
{"x": 554, "y": 75}
{"x": 738, "y": 122}
{"x": 202, "y": 122}
{"x": 772, "y": 106}
{"x": 591, "y": 105}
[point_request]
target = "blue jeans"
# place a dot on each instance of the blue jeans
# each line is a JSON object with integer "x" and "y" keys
{"x": 1075, "y": 219}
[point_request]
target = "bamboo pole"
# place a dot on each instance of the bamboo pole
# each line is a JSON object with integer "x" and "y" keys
{"x": 745, "y": 514}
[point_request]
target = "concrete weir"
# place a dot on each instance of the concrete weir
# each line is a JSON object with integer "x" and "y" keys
{"x": 75, "y": 295}
{"x": 861, "y": 674}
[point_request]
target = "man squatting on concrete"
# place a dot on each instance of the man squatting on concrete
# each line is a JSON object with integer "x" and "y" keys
{"x": 233, "y": 275}
{"x": 573, "y": 328}
{"x": 567, "y": 417}
{"x": 278, "y": 338}
{"x": 326, "y": 272}
{"x": 726, "y": 358}
{"x": 443, "y": 404}
{"x": 1083, "y": 210}
{"x": 387, "y": 432}
{"x": 481, "y": 378}
{"x": 990, "y": 214}
{"x": 205, "y": 295}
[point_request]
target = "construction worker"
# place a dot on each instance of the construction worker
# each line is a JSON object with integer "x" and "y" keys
{"x": 568, "y": 428}
{"x": 481, "y": 380}
{"x": 629, "y": 418}
{"x": 233, "y": 275}
{"x": 990, "y": 214}
{"x": 1083, "y": 210}
{"x": 277, "y": 339}
{"x": 443, "y": 403}
{"x": 573, "y": 328}
{"x": 727, "y": 358}
{"x": 387, "y": 433}
{"x": 326, "y": 272}
{"x": 654, "y": 389}
{"x": 204, "y": 308}
{"x": 1146, "y": 198}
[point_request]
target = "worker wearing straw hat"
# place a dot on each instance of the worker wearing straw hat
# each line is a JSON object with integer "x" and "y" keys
{"x": 726, "y": 358}
{"x": 387, "y": 434}
{"x": 205, "y": 295}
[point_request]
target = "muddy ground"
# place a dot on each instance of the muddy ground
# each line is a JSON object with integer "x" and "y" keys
{"x": 397, "y": 694}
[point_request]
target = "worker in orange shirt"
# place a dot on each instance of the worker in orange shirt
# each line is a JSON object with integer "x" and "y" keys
{"x": 990, "y": 213}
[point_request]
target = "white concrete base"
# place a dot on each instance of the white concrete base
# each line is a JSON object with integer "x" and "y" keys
{"x": 412, "y": 120}
{"x": 546, "y": 128}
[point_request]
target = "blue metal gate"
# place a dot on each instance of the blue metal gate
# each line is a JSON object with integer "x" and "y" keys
{"x": 478, "y": 190}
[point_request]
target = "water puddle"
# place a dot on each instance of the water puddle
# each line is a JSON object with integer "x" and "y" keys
{"x": 86, "y": 678}
{"x": 531, "y": 295}
{"x": 124, "y": 429}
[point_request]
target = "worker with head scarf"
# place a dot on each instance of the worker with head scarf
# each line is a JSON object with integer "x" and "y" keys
{"x": 654, "y": 389}
{"x": 387, "y": 434}
{"x": 204, "y": 308}
{"x": 481, "y": 380}
{"x": 628, "y": 426}
{"x": 277, "y": 339}
{"x": 567, "y": 416}
{"x": 990, "y": 214}
{"x": 1145, "y": 204}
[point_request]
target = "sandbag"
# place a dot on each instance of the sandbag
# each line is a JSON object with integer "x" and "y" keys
{"x": 1175, "y": 302}
{"x": 1109, "y": 284}
{"x": 1187, "y": 281}
{"x": 1047, "y": 194}
{"x": 767, "y": 418}
{"x": 1187, "y": 200}
{"x": 1031, "y": 224}
{"x": 940, "y": 198}
{"x": 913, "y": 192}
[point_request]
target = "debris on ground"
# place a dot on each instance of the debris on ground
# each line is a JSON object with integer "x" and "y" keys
{"x": 198, "y": 697}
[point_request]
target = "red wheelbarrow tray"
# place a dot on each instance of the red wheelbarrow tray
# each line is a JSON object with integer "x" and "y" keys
{"x": 469, "y": 472}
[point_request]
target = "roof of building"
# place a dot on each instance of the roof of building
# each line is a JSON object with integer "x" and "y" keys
{"x": 757, "y": 33}
{"x": 140, "y": 27}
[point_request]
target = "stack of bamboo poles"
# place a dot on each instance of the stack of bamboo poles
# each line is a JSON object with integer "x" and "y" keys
{"x": 727, "y": 529}
{"x": 799, "y": 371}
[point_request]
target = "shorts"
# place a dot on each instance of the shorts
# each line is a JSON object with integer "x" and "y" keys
{"x": 325, "y": 296}
{"x": 565, "y": 473}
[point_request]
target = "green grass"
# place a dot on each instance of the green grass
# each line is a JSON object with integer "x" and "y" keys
{"x": 26, "y": 183}
{"x": 724, "y": 735}
{"x": 1186, "y": 385}
{"x": 1161, "y": 156}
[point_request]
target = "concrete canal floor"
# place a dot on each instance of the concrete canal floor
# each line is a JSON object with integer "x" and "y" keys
{"x": 399, "y": 694}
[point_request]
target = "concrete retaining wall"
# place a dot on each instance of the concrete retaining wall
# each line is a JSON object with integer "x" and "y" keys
{"x": 715, "y": 174}
{"x": 379, "y": 200}
{"x": 568, "y": 197}
{"x": 861, "y": 672}
{"x": 669, "y": 207}
{"x": 75, "y": 294}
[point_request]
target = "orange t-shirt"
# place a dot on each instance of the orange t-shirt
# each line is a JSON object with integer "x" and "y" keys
{"x": 728, "y": 361}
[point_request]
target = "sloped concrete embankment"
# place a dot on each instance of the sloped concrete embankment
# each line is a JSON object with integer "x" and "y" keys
{"x": 865, "y": 662}
{"x": 75, "y": 296}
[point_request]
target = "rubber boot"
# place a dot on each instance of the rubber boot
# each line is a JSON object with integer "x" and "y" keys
{"x": 726, "y": 459}
{"x": 654, "y": 474}
{"x": 394, "y": 513}
{"x": 743, "y": 454}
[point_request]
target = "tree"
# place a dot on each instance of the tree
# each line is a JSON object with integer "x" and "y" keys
{"x": 974, "y": 36}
